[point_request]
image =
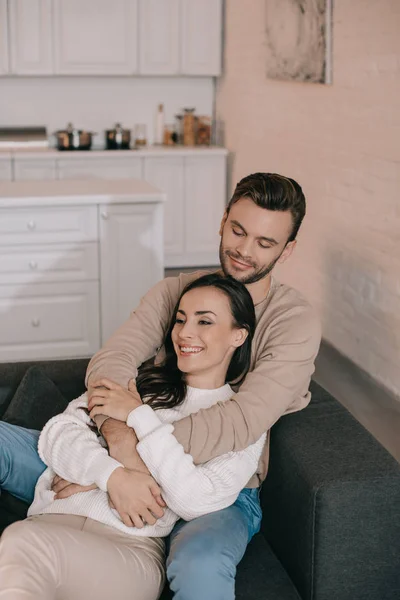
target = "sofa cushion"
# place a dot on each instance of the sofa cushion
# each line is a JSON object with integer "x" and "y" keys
{"x": 35, "y": 401}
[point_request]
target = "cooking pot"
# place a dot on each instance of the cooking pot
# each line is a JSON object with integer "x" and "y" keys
{"x": 118, "y": 138}
{"x": 73, "y": 139}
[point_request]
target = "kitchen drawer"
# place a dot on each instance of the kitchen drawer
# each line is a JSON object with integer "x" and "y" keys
{"x": 51, "y": 224}
{"x": 116, "y": 167}
{"x": 34, "y": 170}
{"x": 49, "y": 321}
{"x": 48, "y": 263}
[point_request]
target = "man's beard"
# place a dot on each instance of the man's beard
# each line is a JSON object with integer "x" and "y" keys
{"x": 245, "y": 279}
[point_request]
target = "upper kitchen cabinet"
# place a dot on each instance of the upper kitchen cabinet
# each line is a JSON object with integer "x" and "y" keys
{"x": 4, "y": 62}
{"x": 201, "y": 37}
{"x": 159, "y": 37}
{"x": 95, "y": 37}
{"x": 180, "y": 37}
{"x": 30, "y": 37}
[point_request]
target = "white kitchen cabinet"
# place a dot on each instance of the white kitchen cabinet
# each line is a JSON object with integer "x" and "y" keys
{"x": 35, "y": 170}
{"x": 159, "y": 37}
{"x": 49, "y": 320}
{"x": 100, "y": 168}
{"x": 48, "y": 263}
{"x": 4, "y": 58}
{"x": 131, "y": 241}
{"x": 75, "y": 259}
{"x": 5, "y": 170}
{"x": 205, "y": 194}
{"x": 31, "y": 37}
{"x": 168, "y": 175}
{"x": 95, "y": 37}
{"x": 201, "y": 37}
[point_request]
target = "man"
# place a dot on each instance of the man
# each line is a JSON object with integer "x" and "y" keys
{"x": 258, "y": 230}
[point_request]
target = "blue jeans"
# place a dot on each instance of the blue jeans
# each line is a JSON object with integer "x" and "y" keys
{"x": 20, "y": 465}
{"x": 203, "y": 553}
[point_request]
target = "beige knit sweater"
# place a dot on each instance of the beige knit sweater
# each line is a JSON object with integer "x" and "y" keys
{"x": 284, "y": 348}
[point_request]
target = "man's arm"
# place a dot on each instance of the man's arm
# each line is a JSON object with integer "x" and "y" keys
{"x": 72, "y": 450}
{"x": 277, "y": 385}
{"x": 189, "y": 490}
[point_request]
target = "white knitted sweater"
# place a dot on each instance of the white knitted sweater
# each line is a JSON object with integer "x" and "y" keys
{"x": 74, "y": 452}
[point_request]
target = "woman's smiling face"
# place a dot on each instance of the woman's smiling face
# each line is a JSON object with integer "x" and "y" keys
{"x": 204, "y": 337}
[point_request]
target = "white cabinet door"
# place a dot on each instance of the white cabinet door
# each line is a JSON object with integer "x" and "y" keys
{"x": 5, "y": 170}
{"x": 159, "y": 37}
{"x": 95, "y": 37}
{"x": 34, "y": 170}
{"x": 131, "y": 259}
{"x": 166, "y": 173}
{"x": 49, "y": 320}
{"x": 4, "y": 62}
{"x": 100, "y": 168}
{"x": 31, "y": 45}
{"x": 205, "y": 200}
{"x": 201, "y": 37}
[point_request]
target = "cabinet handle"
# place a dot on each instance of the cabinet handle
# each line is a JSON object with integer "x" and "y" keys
{"x": 33, "y": 265}
{"x": 35, "y": 322}
{"x": 104, "y": 215}
{"x": 31, "y": 225}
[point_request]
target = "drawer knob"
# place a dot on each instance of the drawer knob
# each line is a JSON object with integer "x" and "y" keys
{"x": 104, "y": 215}
{"x": 35, "y": 322}
{"x": 31, "y": 225}
{"x": 33, "y": 265}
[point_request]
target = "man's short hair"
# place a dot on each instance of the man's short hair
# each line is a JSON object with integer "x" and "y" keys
{"x": 273, "y": 192}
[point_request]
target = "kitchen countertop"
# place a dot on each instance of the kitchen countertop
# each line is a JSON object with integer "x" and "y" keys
{"x": 46, "y": 193}
{"x": 51, "y": 153}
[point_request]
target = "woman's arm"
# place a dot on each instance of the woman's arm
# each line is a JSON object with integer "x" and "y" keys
{"x": 190, "y": 490}
{"x": 73, "y": 451}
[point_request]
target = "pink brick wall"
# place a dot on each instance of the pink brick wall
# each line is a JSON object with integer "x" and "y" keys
{"x": 342, "y": 143}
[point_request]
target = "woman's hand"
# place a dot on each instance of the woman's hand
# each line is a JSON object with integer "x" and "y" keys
{"x": 111, "y": 399}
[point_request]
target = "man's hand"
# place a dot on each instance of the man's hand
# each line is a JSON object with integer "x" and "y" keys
{"x": 121, "y": 441}
{"x": 65, "y": 489}
{"x": 136, "y": 497}
{"x": 113, "y": 400}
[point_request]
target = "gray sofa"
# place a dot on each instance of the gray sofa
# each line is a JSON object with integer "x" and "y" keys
{"x": 331, "y": 501}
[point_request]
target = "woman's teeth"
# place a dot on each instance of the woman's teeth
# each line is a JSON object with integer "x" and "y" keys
{"x": 189, "y": 350}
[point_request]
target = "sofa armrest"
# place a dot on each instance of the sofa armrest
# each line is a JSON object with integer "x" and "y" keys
{"x": 331, "y": 505}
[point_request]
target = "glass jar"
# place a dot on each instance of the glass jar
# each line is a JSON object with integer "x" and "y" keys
{"x": 140, "y": 135}
{"x": 203, "y": 134}
{"x": 189, "y": 127}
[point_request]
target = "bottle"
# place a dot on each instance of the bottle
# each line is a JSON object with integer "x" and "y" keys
{"x": 159, "y": 129}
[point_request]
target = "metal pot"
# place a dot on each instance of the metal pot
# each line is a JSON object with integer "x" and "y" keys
{"x": 118, "y": 138}
{"x": 73, "y": 139}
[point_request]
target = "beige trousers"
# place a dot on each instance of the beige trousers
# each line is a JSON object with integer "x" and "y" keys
{"x": 66, "y": 557}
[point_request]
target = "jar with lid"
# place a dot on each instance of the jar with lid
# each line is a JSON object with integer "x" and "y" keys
{"x": 203, "y": 135}
{"x": 189, "y": 127}
{"x": 179, "y": 129}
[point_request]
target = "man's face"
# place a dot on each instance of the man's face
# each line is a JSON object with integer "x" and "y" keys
{"x": 253, "y": 240}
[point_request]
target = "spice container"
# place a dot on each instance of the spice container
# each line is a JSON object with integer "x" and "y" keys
{"x": 203, "y": 135}
{"x": 169, "y": 135}
{"x": 189, "y": 127}
{"x": 140, "y": 135}
{"x": 179, "y": 129}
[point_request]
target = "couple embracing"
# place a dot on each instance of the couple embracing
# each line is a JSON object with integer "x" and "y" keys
{"x": 157, "y": 467}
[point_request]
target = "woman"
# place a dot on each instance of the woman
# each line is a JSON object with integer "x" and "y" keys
{"x": 80, "y": 547}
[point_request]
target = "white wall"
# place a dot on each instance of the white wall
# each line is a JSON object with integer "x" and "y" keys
{"x": 96, "y": 103}
{"x": 341, "y": 142}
